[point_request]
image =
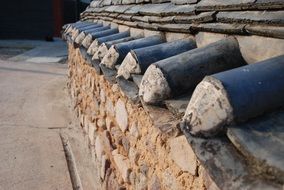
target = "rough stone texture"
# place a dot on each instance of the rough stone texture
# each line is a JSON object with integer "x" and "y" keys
{"x": 134, "y": 131}
{"x": 122, "y": 164}
{"x": 169, "y": 181}
{"x": 133, "y": 155}
{"x": 155, "y": 184}
{"x": 182, "y": 154}
{"x": 145, "y": 142}
{"x": 104, "y": 166}
{"x": 141, "y": 146}
{"x": 110, "y": 108}
{"x": 99, "y": 148}
{"x": 121, "y": 115}
{"x": 92, "y": 128}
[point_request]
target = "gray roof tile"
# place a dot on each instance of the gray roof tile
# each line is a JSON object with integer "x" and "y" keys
{"x": 262, "y": 17}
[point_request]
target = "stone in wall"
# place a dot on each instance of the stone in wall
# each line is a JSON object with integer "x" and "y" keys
{"x": 102, "y": 145}
{"x": 182, "y": 154}
{"x": 133, "y": 155}
{"x": 122, "y": 164}
{"x": 121, "y": 115}
{"x": 134, "y": 131}
{"x": 91, "y": 133}
{"x": 141, "y": 159}
{"x": 105, "y": 164}
{"x": 155, "y": 183}
{"x": 169, "y": 180}
{"x": 141, "y": 182}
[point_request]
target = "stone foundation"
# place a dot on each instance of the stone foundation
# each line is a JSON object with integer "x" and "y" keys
{"x": 133, "y": 146}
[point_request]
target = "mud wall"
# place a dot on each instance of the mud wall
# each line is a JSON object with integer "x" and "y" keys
{"x": 133, "y": 146}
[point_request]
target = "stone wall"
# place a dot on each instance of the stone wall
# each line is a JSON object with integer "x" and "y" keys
{"x": 133, "y": 146}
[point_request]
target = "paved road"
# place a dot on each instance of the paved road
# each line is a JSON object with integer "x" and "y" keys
{"x": 33, "y": 106}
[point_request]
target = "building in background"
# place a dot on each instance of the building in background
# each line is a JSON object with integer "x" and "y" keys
{"x": 33, "y": 19}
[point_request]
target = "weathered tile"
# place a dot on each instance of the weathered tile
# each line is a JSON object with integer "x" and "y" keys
{"x": 83, "y": 52}
{"x": 142, "y": 1}
{"x": 116, "y": 67}
{"x": 109, "y": 74}
{"x": 147, "y": 26}
{"x": 263, "y": 17}
{"x": 166, "y": 9}
{"x": 163, "y": 119}
{"x": 125, "y": 17}
{"x": 202, "y": 17}
{"x": 182, "y": 2}
{"x": 140, "y": 18}
{"x": 96, "y": 65}
{"x": 125, "y": 2}
{"x": 266, "y": 30}
{"x": 129, "y": 88}
{"x": 179, "y": 9}
{"x": 134, "y": 9}
{"x": 175, "y": 27}
{"x": 160, "y": 1}
{"x": 226, "y": 166}
{"x": 116, "y": 2}
{"x": 88, "y": 59}
{"x": 269, "y": 4}
{"x": 106, "y": 2}
{"x": 219, "y": 28}
{"x": 209, "y": 5}
{"x": 260, "y": 140}
{"x": 154, "y": 9}
{"x": 130, "y": 24}
{"x": 137, "y": 79}
{"x": 157, "y": 19}
{"x": 118, "y": 8}
{"x": 178, "y": 105}
{"x": 113, "y": 15}
{"x": 97, "y": 3}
